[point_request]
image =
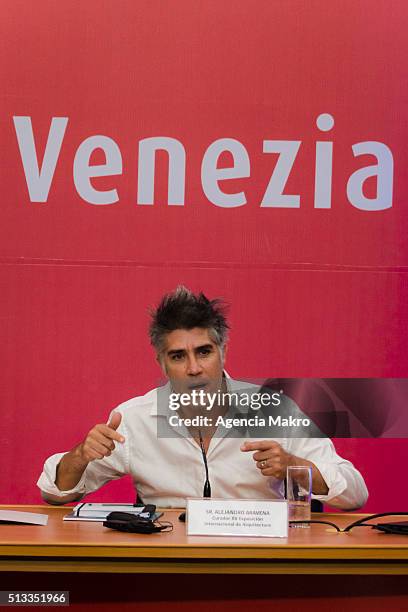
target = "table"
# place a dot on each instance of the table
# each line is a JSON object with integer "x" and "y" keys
{"x": 90, "y": 547}
{"x": 314, "y": 569}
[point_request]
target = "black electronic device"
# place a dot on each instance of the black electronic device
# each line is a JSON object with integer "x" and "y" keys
{"x": 141, "y": 523}
{"x": 399, "y": 528}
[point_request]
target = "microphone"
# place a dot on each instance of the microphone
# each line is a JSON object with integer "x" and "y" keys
{"x": 207, "y": 486}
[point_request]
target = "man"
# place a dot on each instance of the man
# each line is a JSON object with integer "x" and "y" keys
{"x": 189, "y": 334}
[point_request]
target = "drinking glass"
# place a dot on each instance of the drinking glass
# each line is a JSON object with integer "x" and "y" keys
{"x": 299, "y": 493}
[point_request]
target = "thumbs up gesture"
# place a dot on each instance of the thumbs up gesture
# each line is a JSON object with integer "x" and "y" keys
{"x": 100, "y": 441}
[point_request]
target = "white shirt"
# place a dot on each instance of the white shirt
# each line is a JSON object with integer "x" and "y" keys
{"x": 167, "y": 470}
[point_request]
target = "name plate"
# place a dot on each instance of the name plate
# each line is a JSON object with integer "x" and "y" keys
{"x": 237, "y": 517}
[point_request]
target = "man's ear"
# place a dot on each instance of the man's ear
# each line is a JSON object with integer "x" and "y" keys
{"x": 161, "y": 363}
{"x": 224, "y": 353}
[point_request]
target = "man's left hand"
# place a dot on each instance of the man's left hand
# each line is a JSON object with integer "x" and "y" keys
{"x": 271, "y": 459}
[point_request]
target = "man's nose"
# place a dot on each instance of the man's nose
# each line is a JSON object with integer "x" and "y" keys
{"x": 193, "y": 366}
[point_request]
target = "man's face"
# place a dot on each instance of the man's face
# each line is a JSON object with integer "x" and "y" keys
{"x": 191, "y": 360}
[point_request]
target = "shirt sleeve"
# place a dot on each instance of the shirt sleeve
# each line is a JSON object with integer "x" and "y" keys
{"x": 347, "y": 489}
{"x": 97, "y": 473}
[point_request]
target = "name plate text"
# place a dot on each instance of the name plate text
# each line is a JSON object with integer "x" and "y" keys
{"x": 237, "y": 517}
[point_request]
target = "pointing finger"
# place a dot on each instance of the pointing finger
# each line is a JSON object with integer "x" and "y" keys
{"x": 259, "y": 445}
{"x": 110, "y": 433}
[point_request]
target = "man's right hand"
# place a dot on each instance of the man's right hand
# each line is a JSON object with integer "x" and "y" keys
{"x": 100, "y": 441}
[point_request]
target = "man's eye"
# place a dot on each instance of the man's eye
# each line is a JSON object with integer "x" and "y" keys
{"x": 176, "y": 357}
{"x": 205, "y": 351}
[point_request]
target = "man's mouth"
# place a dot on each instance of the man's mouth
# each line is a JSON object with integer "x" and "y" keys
{"x": 197, "y": 386}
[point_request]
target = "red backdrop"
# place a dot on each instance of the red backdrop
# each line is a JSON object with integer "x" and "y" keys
{"x": 313, "y": 292}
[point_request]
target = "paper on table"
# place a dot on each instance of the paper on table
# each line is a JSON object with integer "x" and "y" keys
{"x": 30, "y": 518}
{"x": 99, "y": 512}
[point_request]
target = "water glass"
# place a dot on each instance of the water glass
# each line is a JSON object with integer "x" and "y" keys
{"x": 299, "y": 493}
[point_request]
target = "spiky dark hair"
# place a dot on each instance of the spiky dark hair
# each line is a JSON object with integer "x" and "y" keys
{"x": 182, "y": 309}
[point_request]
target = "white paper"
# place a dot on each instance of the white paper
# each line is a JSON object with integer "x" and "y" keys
{"x": 99, "y": 512}
{"x": 16, "y": 516}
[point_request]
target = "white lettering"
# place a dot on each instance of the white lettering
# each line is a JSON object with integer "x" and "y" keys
{"x": 274, "y": 196}
{"x": 83, "y": 171}
{"x": 383, "y": 171}
{"x": 39, "y": 181}
{"x": 39, "y": 175}
{"x": 324, "y": 164}
{"x": 211, "y": 175}
{"x": 290, "y": 422}
{"x": 146, "y": 170}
